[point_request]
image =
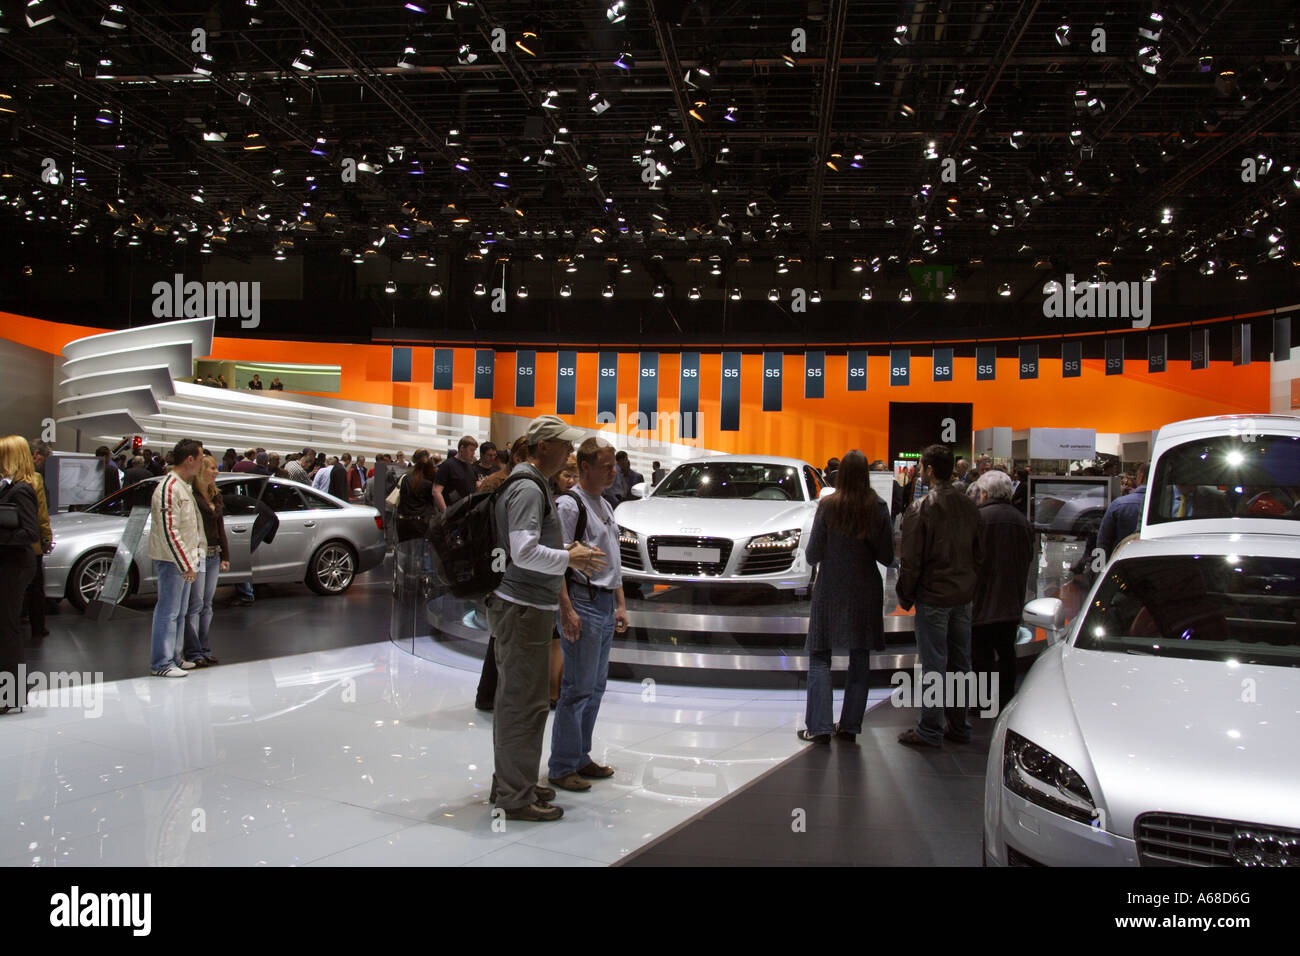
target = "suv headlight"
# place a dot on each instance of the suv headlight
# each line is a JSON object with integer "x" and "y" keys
{"x": 1042, "y": 778}
{"x": 780, "y": 541}
{"x": 625, "y": 536}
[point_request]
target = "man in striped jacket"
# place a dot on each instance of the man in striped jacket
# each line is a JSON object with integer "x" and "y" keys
{"x": 177, "y": 546}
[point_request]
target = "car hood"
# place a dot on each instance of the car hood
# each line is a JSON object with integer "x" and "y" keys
{"x": 1184, "y": 736}
{"x": 713, "y": 517}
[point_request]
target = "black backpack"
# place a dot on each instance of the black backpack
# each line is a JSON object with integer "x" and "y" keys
{"x": 573, "y": 575}
{"x": 464, "y": 539}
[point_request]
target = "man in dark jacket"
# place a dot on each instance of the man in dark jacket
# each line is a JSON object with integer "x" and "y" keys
{"x": 1124, "y": 514}
{"x": 1008, "y": 545}
{"x": 941, "y": 556}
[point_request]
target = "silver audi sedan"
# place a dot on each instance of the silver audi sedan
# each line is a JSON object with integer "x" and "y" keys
{"x": 1164, "y": 729}
{"x": 321, "y": 541}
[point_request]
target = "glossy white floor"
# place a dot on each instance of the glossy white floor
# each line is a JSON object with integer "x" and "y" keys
{"x": 361, "y": 756}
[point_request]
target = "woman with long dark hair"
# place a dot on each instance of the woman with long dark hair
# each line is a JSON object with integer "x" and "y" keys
{"x": 415, "y": 505}
{"x": 851, "y": 534}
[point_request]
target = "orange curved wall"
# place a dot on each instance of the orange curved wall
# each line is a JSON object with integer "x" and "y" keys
{"x": 814, "y": 429}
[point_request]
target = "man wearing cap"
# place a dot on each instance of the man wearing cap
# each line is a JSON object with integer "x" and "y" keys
{"x": 521, "y": 614}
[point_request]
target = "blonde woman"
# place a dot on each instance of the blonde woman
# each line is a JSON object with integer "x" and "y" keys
{"x": 19, "y": 530}
{"x": 216, "y": 559}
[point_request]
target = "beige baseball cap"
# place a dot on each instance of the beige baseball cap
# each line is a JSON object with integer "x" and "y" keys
{"x": 546, "y": 427}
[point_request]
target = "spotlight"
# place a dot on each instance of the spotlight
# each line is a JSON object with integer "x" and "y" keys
{"x": 790, "y": 61}
{"x": 480, "y": 289}
{"x": 1239, "y": 274}
{"x": 1167, "y": 216}
{"x": 522, "y": 292}
{"x": 203, "y": 65}
{"x": 616, "y": 12}
{"x": 658, "y": 292}
{"x": 1016, "y": 138}
{"x": 730, "y": 116}
{"x": 105, "y": 116}
{"x": 390, "y": 286}
{"x": 566, "y": 290}
{"x": 1208, "y": 267}
{"x": 1063, "y": 35}
{"x": 1205, "y": 64}
{"x": 901, "y": 36}
{"x": 435, "y": 291}
{"x": 865, "y": 295}
{"x": 950, "y": 293}
{"x": 905, "y": 295}
{"x": 597, "y": 103}
{"x": 694, "y": 293}
{"x": 465, "y": 55}
{"x": 1004, "y": 289}
{"x": 303, "y": 60}
{"x": 552, "y": 100}
{"x": 608, "y": 291}
{"x": 734, "y": 294}
{"x": 409, "y": 58}
{"x": 114, "y": 19}
{"x": 773, "y": 295}
{"x": 1151, "y": 30}
{"x": 530, "y": 43}
{"x": 625, "y": 61}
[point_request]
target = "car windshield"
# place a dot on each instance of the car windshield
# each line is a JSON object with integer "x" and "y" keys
{"x": 1199, "y": 606}
{"x": 1238, "y": 476}
{"x": 733, "y": 479}
{"x": 121, "y": 502}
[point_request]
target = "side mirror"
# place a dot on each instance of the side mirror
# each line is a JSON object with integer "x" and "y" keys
{"x": 641, "y": 490}
{"x": 1047, "y": 613}
{"x": 825, "y": 492}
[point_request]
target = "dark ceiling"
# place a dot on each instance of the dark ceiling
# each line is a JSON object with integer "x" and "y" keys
{"x": 822, "y": 133}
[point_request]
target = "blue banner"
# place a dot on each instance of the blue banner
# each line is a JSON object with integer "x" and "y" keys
{"x": 943, "y": 365}
{"x": 607, "y": 388}
{"x": 986, "y": 363}
{"x": 525, "y": 377}
{"x": 1071, "y": 359}
{"x": 814, "y": 374}
{"x": 566, "y": 383}
{"x": 1157, "y": 350}
{"x": 484, "y": 366}
{"x": 688, "y": 400}
{"x": 442, "y": 369}
{"x": 401, "y": 365}
{"x": 856, "y": 373}
{"x": 1114, "y": 356}
{"x": 900, "y": 366}
{"x": 1029, "y": 360}
{"x": 773, "y": 366}
{"x": 730, "y": 397}
{"x": 647, "y": 386}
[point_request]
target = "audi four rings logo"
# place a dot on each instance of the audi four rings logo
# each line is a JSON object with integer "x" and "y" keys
{"x": 1264, "y": 849}
{"x": 690, "y": 530}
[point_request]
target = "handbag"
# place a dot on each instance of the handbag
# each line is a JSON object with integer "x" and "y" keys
{"x": 395, "y": 495}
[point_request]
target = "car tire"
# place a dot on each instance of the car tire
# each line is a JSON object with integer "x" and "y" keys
{"x": 87, "y": 578}
{"x": 332, "y": 568}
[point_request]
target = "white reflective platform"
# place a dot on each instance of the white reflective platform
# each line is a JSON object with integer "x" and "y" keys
{"x": 360, "y": 756}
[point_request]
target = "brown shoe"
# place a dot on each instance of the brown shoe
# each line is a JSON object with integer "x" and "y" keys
{"x": 535, "y": 812}
{"x": 540, "y": 794}
{"x": 596, "y": 771}
{"x": 570, "y": 781}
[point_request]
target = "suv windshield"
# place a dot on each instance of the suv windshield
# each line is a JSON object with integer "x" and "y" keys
{"x": 1199, "y": 606}
{"x": 1247, "y": 476}
{"x": 733, "y": 479}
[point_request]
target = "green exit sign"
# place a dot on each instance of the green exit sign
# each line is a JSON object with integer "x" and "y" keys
{"x": 929, "y": 282}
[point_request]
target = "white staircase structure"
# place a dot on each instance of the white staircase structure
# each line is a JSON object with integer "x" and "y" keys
{"x": 128, "y": 383}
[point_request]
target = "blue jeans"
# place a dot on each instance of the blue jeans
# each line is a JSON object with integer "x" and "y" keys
{"x": 817, "y": 715}
{"x": 244, "y": 590}
{"x": 199, "y": 616}
{"x": 168, "y": 615}
{"x": 586, "y": 663}
{"x": 943, "y": 643}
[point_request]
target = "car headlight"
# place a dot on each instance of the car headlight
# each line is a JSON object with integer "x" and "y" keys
{"x": 625, "y": 536}
{"x": 1044, "y": 779}
{"x": 780, "y": 541}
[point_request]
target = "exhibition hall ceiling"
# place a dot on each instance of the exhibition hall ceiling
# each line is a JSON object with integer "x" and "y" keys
{"x": 687, "y": 145}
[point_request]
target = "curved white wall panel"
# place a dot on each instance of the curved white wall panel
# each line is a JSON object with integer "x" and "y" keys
{"x": 178, "y": 356}
{"x": 109, "y": 425}
{"x": 158, "y": 378}
{"x": 197, "y": 332}
{"x": 138, "y": 400}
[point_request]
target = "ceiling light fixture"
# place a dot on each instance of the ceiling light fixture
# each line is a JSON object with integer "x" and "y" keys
{"x": 303, "y": 60}
{"x": 114, "y": 19}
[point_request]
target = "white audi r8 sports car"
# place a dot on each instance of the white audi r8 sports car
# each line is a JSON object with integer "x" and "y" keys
{"x": 1162, "y": 730}
{"x": 727, "y": 519}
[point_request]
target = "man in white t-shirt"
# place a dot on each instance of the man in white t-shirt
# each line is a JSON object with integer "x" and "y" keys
{"x": 592, "y": 610}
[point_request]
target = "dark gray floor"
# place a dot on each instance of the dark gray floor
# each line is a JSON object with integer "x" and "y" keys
{"x": 285, "y": 619}
{"x": 871, "y": 803}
